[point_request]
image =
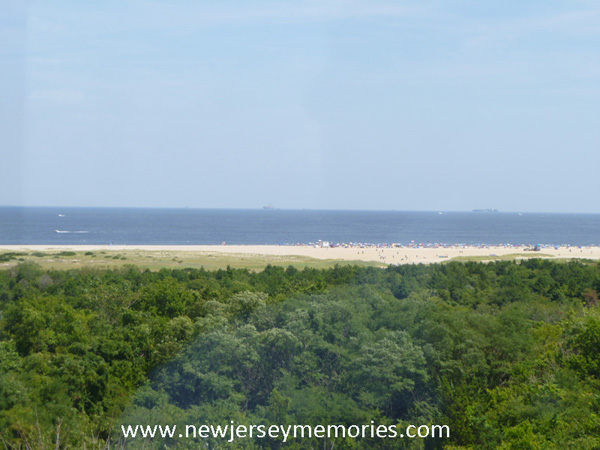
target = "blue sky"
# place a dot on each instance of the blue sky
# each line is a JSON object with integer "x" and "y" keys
{"x": 407, "y": 105}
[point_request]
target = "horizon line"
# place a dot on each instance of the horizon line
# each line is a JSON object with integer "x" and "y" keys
{"x": 262, "y": 208}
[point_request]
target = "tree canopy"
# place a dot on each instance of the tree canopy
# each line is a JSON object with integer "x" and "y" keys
{"x": 506, "y": 354}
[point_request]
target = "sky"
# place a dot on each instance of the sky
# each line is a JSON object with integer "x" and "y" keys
{"x": 446, "y": 105}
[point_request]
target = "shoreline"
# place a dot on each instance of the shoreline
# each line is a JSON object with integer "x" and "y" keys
{"x": 384, "y": 255}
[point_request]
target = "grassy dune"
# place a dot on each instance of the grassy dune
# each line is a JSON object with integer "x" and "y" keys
{"x": 508, "y": 257}
{"x": 155, "y": 260}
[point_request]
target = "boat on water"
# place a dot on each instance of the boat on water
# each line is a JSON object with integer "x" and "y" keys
{"x": 67, "y": 231}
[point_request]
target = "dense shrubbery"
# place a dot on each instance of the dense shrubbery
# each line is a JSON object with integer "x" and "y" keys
{"x": 506, "y": 354}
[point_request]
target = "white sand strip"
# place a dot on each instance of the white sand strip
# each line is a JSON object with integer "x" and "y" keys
{"x": 406, "y": 255}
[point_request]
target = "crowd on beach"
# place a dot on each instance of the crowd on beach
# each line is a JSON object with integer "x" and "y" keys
{"x": 415, "y": 245}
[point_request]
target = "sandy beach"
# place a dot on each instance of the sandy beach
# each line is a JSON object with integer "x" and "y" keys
{"x": 386, "y": 255}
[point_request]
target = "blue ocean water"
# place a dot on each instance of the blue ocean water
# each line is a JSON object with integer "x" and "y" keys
{"x": 213, "y": 226}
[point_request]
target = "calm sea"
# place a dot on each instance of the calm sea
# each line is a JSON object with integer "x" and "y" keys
{"x": 214, "y": 226}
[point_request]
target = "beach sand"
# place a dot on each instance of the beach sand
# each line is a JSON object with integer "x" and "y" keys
{"x": 386, "y": 255}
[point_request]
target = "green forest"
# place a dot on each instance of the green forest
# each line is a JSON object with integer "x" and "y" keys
{"x": 507, "y": 354}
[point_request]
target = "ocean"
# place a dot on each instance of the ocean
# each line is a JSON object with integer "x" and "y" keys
{"x": 141, "y": 226}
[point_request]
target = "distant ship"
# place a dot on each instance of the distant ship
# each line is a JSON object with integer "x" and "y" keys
{"x": 269, "y": 207}
{"x": 486, "y": 210}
